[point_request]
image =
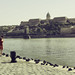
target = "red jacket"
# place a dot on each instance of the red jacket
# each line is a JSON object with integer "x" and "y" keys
{"x": 1, "y": 45}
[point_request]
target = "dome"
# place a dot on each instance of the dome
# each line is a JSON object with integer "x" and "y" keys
{"x": 48, "y": 16}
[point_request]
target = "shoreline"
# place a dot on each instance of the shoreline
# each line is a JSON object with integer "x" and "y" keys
{"x": 42, "y": 36}
{"x": 25, "y": 67}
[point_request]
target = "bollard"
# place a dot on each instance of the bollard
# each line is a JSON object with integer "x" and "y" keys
{"x": 13, "y": 56}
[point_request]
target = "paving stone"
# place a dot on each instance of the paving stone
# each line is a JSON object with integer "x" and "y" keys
{"x": 29, "y": 68}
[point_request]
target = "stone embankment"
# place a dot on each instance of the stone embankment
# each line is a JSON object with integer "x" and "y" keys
{"x": 26, "y": 66}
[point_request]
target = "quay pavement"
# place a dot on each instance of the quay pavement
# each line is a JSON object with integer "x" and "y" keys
{"x": 22, "y": 67}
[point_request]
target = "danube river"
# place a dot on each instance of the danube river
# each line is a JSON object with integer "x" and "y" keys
{"x": 55, "y": 50}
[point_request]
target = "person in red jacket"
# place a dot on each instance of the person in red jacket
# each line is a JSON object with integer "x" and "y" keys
{"x": 1, "y": 44}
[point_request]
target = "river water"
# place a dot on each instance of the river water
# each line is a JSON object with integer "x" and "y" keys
{"x": 55, "y": 50}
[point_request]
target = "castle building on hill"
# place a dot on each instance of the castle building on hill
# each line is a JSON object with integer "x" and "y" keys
{"x": 35, "y": 22}
{"x": 40, "y": 26}
{"x": 31, "y": 22}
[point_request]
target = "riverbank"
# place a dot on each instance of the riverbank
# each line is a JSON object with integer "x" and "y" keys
{"x": 24, "y": 67}
{"x": 42, "y": 36}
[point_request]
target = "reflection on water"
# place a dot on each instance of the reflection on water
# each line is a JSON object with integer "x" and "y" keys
{"x": 55, "y": 50}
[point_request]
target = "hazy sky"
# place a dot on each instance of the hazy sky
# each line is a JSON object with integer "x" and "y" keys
{"x": 12, "y": 12}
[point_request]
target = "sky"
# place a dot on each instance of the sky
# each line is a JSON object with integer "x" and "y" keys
{"x": 12, "y": 12}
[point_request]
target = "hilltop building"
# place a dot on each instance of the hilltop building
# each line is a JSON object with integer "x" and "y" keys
{"x": 60, "y": 19}
{"x": 24, "y": 23}
{"x": 31, "y": 22}
{"x": 35, "y": 22}
{"x": 37, "y": 27}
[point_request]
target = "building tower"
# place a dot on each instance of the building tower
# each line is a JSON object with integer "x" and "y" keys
{"x": 48, "y": 16}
